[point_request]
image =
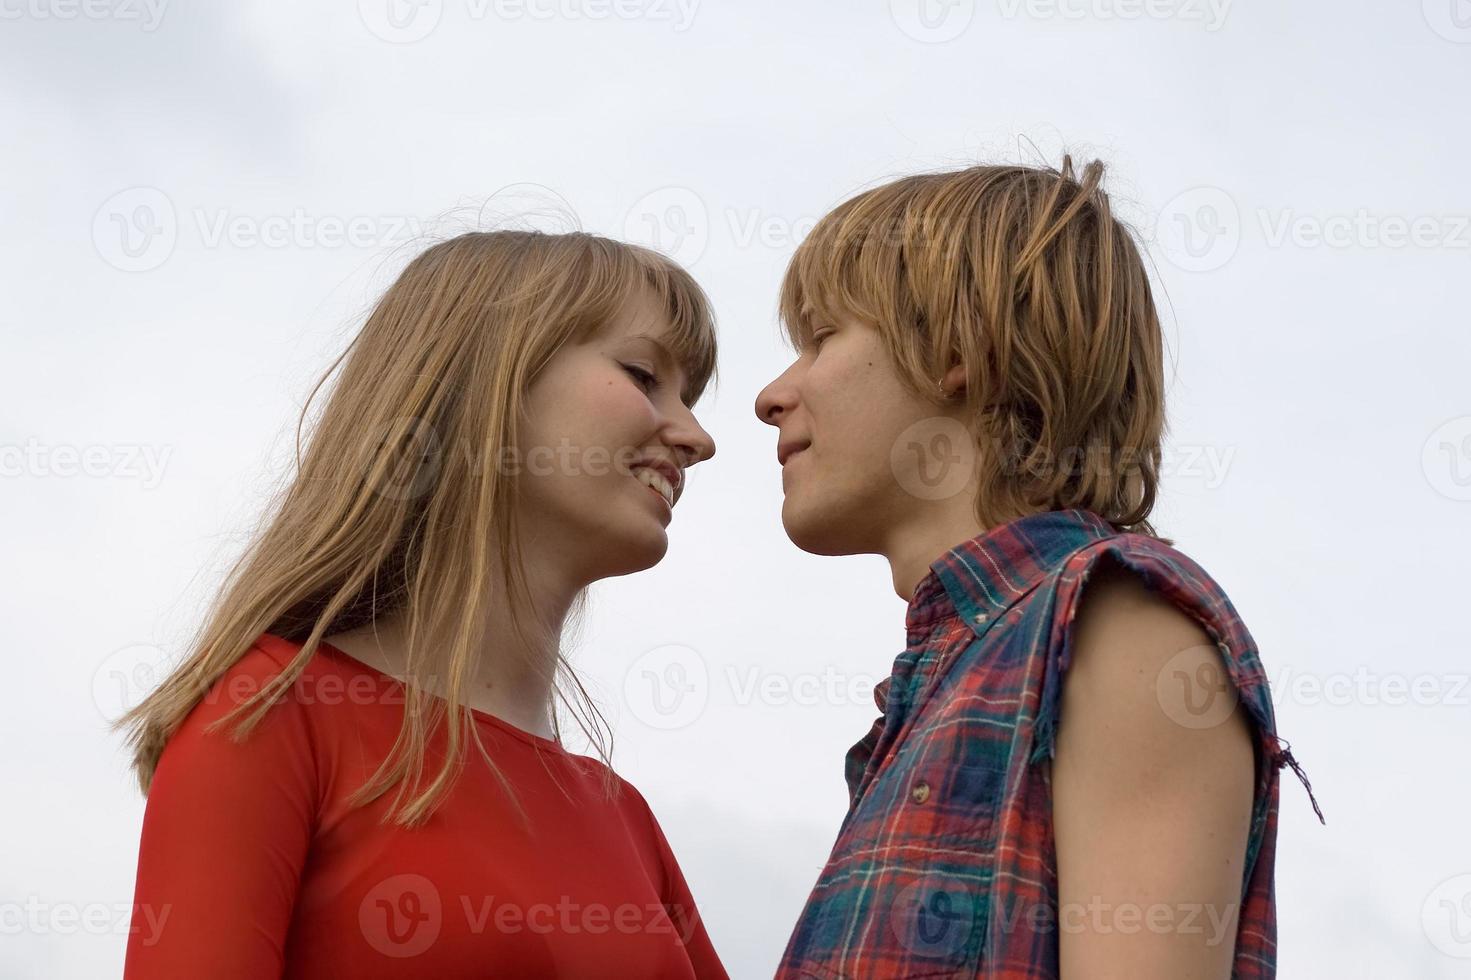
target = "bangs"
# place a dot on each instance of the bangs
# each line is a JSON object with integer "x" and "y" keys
{"x": 614, "y": 273}
{"x": 854, "y": 256}
{"x": 691, "y": 335}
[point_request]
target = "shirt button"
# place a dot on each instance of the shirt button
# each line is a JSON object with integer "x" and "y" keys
{"x": 921, "y": 792}
{"x": 980, "y": 617}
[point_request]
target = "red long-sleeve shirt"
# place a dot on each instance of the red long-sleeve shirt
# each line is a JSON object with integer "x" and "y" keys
{"x": 252, "y": 865}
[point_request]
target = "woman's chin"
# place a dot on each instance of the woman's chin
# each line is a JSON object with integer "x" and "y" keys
{"x": 635, "y": 551}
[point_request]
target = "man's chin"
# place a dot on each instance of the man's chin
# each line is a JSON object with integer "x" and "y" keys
{"x": 817, "y": 533}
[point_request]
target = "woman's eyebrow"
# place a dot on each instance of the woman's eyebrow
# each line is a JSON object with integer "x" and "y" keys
{"x": 669, "y": 360}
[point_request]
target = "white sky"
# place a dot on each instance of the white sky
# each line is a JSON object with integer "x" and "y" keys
{"x": 1279, "y": 156}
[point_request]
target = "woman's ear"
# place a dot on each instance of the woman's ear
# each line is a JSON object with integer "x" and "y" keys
{"x": 953, "y": 383}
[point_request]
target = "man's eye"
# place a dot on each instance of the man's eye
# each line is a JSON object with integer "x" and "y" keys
{"x": 645, "y": 380}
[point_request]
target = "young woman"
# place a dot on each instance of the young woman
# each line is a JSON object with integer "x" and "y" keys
{"x": 1067, "y": 781}
{"x": 512, "y": 424}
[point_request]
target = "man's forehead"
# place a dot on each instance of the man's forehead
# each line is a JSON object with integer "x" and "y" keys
{"x": 820, "y": 308}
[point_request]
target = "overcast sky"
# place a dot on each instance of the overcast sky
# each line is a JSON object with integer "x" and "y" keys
{"x": 203, "y": 198}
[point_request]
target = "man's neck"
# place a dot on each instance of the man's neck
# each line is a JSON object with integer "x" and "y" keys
{"x": 919, "y": 546}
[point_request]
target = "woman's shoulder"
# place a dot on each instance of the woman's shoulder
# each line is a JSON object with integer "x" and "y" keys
{"x": 250, "y": 673}
{"x": 621, "y": 791}
{"x": 221, "y": 745}
{"x": 298, "y": 709}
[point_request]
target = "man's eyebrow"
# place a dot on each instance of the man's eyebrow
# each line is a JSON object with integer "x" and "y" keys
{"x": 809, "y": 321}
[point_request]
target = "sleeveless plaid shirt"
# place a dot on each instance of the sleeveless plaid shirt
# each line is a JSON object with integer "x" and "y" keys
{"x": 945, "y": 863}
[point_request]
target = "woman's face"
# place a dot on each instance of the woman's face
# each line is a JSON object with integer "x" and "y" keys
{"x": 604, "y": 447}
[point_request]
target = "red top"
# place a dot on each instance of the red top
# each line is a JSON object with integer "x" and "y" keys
{"x": 252, "y": 865}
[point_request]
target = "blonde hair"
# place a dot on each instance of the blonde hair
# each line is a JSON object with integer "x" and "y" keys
{"x": 1023, "y": 276}
{"x": 385, "y": 517}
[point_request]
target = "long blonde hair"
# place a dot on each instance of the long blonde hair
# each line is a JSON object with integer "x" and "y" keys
{"x": 386, "y": 514}
{"x": 1024, "y": 276}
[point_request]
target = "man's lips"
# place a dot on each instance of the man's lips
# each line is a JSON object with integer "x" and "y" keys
{"x": 787, "y": 450}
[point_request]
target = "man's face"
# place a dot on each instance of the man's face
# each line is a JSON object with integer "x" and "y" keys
{"x": 857, "y": 444}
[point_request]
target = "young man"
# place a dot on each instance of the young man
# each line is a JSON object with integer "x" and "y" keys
{"x": 1075, "y": 774}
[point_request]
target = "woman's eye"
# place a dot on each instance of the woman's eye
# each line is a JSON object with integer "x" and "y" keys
{"x": 819, "y": 337}
{"x": 645, "y": 380}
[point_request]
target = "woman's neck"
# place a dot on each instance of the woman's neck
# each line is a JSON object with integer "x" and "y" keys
{"x": 514, "y": 678}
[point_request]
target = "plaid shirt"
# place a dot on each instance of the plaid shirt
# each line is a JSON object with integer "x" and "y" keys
{"x": 945, "y": 863}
